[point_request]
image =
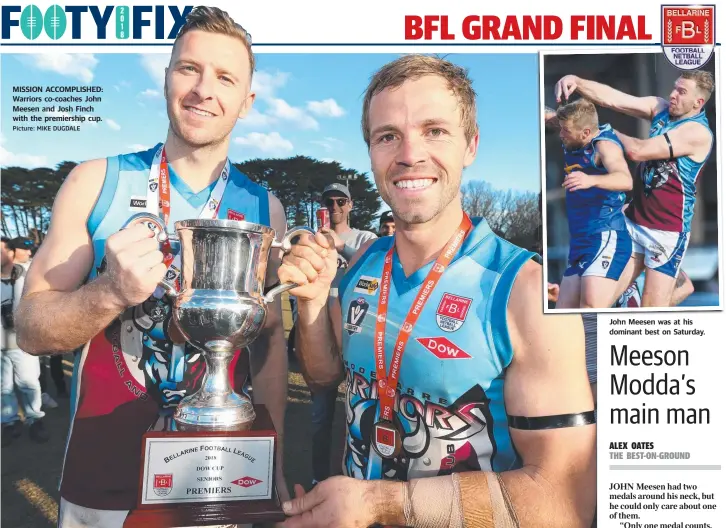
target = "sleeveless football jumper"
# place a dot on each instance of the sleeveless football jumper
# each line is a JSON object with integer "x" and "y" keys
{"x": 131, "y": 376}
{"x": 449, "y": 404}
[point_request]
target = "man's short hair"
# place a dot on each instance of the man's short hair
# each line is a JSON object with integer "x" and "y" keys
{"x": 214, "y": 20}
{"x": 582, "y": 113}
{"x": 412, "y": 68}
{"x": 6, "y": 240}
{"x": 704, "y": 82}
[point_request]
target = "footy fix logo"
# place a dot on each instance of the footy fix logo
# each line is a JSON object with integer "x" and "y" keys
{"x": 77, "y": 22}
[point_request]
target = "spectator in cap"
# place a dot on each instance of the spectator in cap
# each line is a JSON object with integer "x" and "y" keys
{"x": 337, "y": 199}
{"x": 387, "y": 226}
{"x": 24, "y": 248}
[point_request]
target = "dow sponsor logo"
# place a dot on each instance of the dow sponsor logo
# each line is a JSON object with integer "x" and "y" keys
{"x": 137, "y": 203}
{"x": 246, "y": 482}
{"x": 234, "y": 215}
{"x": 83, "y": 22}
{"x": 442, "y": 348}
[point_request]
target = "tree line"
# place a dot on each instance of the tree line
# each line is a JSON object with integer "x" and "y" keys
{"x": 28, "y": 195}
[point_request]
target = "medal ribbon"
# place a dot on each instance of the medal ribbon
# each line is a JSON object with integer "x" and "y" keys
{"x": 158, "y": 202}
{"x": 387, "y": 384}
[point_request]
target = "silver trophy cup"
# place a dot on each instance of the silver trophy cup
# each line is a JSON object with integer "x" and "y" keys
{"x": 220, "y": 307}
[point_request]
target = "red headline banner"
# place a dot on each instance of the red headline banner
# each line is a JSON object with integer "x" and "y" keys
{"x": 528, "y": 27}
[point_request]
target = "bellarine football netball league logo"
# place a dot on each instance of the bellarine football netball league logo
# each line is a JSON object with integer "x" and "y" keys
{"x": 688, "y": 35}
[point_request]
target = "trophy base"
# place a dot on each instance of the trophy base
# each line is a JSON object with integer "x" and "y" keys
{"x": 205, "y": 412}
{"x": 210, "y": 514}
{"x": 208, "y": 477}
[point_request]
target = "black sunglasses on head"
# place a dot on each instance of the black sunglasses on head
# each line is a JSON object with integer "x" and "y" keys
{"x": 340, "y": 201}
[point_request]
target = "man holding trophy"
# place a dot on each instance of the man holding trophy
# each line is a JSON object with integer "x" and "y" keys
{"x": 163, "y": 322}
{"x": 466, "y": 406}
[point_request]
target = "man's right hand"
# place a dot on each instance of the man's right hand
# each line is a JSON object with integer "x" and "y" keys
{"x": 312, "y": 263}
{"x": 565, "y": 87}
{"x": 135, "y": 264}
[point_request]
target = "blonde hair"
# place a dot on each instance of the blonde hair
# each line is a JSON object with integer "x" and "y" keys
{"x": 704, "y": 82}
{"x": 413, "y": 67}
{"x": 581, "y": 113}
{"x": 214, "y": 20}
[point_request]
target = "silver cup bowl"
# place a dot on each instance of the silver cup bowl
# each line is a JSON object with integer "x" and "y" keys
{"x": 220, "y": 307}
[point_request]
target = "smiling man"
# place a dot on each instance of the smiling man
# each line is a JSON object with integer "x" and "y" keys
{"x": 93, "y": 283}
{"x": 465, "y": 404}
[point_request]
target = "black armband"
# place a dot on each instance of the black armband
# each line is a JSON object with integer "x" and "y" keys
{"x": 557, "y": 421}
{"x": 670, "y": 145}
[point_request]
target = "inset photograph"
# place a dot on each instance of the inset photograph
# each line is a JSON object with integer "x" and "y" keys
{"x": 630, "y": 183}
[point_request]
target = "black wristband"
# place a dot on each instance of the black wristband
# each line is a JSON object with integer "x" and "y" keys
{"x": 551, "y": 422}
{"x": 670, "y": 145}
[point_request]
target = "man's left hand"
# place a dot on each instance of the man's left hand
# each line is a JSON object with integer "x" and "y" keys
{"x": 577, "y": 181}
{"x": 337, "y": 502}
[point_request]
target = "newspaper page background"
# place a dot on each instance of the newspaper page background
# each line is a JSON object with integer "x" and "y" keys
{"x": 660, "y": 398}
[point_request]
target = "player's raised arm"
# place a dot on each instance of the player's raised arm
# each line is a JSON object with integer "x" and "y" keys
{"x": 608, "y": 97}
{"x": 56, "y": 313}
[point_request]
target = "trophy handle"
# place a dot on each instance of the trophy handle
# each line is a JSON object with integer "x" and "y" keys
{"x": 155, "y": 224}
{"x": 286, "y": 246}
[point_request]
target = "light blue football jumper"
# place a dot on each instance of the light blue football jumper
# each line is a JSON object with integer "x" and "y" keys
{"x": 131, "y": 373}
{"x": 450, "y": 402}
{"x": 659, "y": 218}
{"x": 668, "y": 195}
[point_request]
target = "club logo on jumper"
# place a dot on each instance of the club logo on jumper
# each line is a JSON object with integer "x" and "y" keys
{"x": 442, "y": 348}
{"x": 356, "y": 312}
{"x": 234, "y": 215}
{"x": 246, "y": 482}
{"x": 452, "y": 311}
{"x": 171, "y": 273}
{"x": 688, "y": 34}
{"x": 367, "y": 285}
{"x": 163, "y": 484}
{"x": 93, "y": 22}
